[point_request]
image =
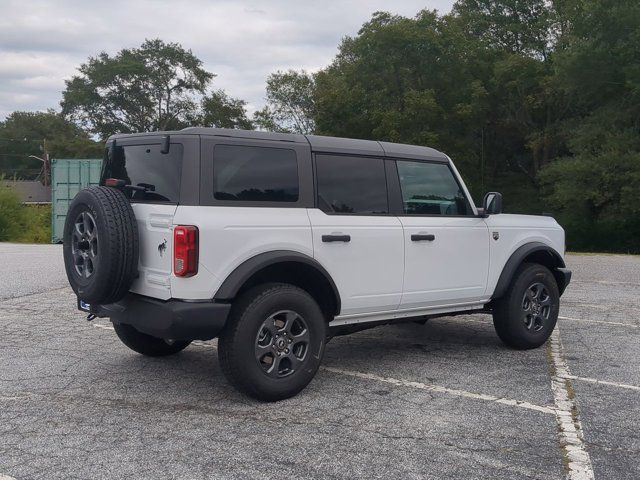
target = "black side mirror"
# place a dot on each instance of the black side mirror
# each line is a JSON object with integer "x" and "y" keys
{"x": 492, "y": 203}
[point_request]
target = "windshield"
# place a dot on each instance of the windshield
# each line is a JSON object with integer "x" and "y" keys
{"x": 149, "y": 176}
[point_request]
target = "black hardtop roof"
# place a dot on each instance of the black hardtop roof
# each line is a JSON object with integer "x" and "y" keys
{"x": 319, "y": 144}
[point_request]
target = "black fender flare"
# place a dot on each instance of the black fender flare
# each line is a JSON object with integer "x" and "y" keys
{"x": 243, "y": 272}
{"x": 517, "y": 258}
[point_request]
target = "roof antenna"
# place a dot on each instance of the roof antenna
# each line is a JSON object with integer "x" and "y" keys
{"x": 166, "y": 142}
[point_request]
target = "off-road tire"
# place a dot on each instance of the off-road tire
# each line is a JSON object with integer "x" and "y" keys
{"x": 115, "y": 265}
{"x": 237, "y": 345}
{"x": 515, "y": 325}
{"x": 146, "y": 344}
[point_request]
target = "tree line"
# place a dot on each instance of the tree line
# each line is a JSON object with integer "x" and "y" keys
{"x": 539, "y": 100}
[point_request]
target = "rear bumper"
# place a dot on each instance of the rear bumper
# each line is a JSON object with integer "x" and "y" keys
{"x": 563, "y": 276}
{"x": 173, "y": 319}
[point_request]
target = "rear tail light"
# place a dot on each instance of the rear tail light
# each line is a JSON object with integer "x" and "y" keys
{"x": 185, "y": 251}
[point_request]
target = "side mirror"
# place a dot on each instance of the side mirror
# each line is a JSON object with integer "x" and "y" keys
{"x": 492, "y": 203}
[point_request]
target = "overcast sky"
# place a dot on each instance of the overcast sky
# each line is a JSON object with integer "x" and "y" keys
{"x": 43, "y": 42}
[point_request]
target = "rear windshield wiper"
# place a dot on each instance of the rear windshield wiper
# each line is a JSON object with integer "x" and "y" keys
{"x": 141, "y": 187}
{"x": 120, "y": 183}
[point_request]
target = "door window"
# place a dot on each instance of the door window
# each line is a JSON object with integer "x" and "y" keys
{"x": 431, "y": 189}
{"x": 351, "y": 185}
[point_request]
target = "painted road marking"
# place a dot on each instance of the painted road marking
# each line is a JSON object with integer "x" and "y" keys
{"x": 439, "y": 389}
{"x": 104, "y": 327}
{"x": 604, "y": 382}
{"x": 569, "y": 426}
{"x": 6, "y": 477}
{"x": 620, "y": 324}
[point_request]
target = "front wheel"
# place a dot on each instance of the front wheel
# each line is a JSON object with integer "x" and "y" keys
{"x": 273, "y": 343}
{"x": 146, "y": 344}
{"x": 526, "y": 315}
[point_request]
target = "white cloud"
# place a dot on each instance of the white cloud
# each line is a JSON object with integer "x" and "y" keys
{"x": 43, "y": 42}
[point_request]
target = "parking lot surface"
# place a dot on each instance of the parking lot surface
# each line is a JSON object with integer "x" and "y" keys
{"x": 441, "y": 400}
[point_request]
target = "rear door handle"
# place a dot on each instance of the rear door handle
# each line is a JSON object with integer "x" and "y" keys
{"x": 419, "y": 237}
{"x": 336, "y": 238}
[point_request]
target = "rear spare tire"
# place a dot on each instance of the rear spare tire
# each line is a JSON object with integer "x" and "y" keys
{"x": 100, "y": 245}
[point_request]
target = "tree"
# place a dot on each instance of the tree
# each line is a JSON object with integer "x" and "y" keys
{"x": 417, "y": 81}
{"x": 28, "y": 133}
{"x": 222, "y": 111}
{"x": 153, "y": 87}
{"x": 290, "y": 103}
{"x": 514, "y": 26}
{"x": 595, "y": 185}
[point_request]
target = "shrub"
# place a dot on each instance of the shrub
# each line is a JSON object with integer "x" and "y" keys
{"x": 12, "y": 215}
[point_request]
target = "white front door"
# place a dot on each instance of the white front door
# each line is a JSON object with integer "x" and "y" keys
{"x": 449, "y": 269}
{"x": 446, "y": 247}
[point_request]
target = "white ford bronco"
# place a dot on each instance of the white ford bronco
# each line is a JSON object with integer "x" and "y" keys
{"x": 274, "y": 243}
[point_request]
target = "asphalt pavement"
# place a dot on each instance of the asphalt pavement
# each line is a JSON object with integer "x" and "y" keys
{"x": 441, "y": 400}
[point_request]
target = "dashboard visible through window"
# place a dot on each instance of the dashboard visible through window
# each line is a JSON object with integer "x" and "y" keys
{"x": 430, "y": 189}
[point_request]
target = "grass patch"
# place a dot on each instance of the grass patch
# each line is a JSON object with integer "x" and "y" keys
{"x": 23, "y": 223}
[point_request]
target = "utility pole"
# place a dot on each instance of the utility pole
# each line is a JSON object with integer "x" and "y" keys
{"x": 46, "y": 163}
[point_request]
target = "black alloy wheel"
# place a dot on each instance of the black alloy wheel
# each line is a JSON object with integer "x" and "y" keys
{"x": 282, "y": 343}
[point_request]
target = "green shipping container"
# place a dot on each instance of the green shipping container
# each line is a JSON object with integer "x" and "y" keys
{"x": 68, "y": 177}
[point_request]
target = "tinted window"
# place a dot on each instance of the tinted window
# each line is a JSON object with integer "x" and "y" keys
{"x": 430, "y": 189}
{"x": 257, "y": 174}
{"x": 155, "y": 175}
{"x": 351, "y": 184}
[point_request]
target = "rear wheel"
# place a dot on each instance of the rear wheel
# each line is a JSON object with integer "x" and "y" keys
{"x": 146, "y": 344}
{"x": 273, "y": 343}
{"x": 527, "y": 314}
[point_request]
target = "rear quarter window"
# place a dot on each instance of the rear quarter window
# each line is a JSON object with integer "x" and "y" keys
{"x": 255, "y": 174}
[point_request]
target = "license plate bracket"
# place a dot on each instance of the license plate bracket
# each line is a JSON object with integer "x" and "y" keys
{"x": 84, "y": 306}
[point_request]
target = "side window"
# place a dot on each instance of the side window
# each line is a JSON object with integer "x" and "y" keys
{"x": 256, "y": 174}
{"x": 351, "y": 184}
{"x": 430, "y": 189}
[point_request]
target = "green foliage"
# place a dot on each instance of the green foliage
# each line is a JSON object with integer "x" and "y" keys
{"x": 37, "y": 227}
{"x": 222, "y": 111}
{"x": 29, "y": 133}
{"x": 143, "y": 89}
{"x": 538, "y": 99}
{"x": 290, "y": 103}
{"x": 23, "y": 223}
{"x": 11, "y": 214}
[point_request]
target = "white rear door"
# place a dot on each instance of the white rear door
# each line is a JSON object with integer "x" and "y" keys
{"x": 155, "y": 184}
{"x": 354, "y": 237}
{"x": 155, "y": 232}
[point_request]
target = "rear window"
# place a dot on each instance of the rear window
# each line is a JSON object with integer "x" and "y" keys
{"x": 150, "y": 176}
{"x": 257, "y": 174}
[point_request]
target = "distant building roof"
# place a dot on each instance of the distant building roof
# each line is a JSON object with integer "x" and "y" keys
{"x": 29, "y": 191}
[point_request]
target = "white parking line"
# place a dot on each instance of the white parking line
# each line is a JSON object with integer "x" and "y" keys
{"x": 569, "y": 426}
{"x": 604, "y": 382}
{"x": 439, "y": 389}
{"x": 104, "y": 327}
{"x": 620, "y": 324}
{"x": 6, "y": 477}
